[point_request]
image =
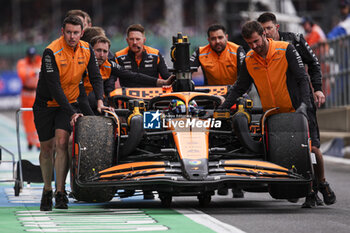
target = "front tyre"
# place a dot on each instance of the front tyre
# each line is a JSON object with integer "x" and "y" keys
{"x": 287, "y": 144}
{"x": 95, "y": 137}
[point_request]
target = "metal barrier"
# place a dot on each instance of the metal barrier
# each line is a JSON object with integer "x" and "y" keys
{"x": 18, "y": 182}
{"x": 334, "y": 58}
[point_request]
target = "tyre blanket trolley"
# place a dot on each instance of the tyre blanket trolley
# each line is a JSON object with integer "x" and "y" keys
{"x": 25, "y": 171}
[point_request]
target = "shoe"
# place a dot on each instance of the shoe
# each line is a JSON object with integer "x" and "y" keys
{"x": 310, "y": 200}
{"x": 329, "y": 197}
{"x": 46, "y": 201}
{"x": 293, "y": 200}
{"x": 237, "y": 193}
{"x": 61, "y": 200}
{"x": 222, "y": 191}
{"x": 148, "y": 195}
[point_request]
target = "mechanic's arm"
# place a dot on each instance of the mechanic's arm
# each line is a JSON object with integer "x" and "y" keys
{"x": 314, "y": 69}
{"x": 296, "y": 66}
{"x": 162, "y": 67}
{"x": 83, "y": 101}
{"x": 194, "y": 59}
{"x": 194, "y": 62}
{"x": 109, "y": 84}
{"x": 140, "y": 78}
{"x": 96, "y": 80}
{"x": 240, "y": 58}
{"x": 244, "y": 81}
{"x": 52, "y": 77}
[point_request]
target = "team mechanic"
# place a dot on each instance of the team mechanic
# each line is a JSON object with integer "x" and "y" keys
{"x": 275, "y": 68}
{"x": 111, "y": 70}
{"x": 140, "y": 58}
{"x": 64, "y": 62}
{"x": 269, "y": 23}
{"x": 220, "y": 60}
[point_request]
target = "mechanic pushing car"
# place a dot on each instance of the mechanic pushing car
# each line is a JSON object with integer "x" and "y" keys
{"x": 276, "y": 69}
{"x": 140, "y": 58}
{"x": 64, "y": 62}
{"x": 220, "y": 60}
{"x": 269, "y": 23}
{"x": 111, "y": 70}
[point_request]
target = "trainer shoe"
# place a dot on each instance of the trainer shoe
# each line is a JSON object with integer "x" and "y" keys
{"x": 61, "y": 200}
{"x": 310, "y": 200}
{"x": 329, "y": 197}
{"x": 46, "y": 201}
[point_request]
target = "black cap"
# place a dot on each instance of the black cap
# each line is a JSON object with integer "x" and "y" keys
{"x": 31, "y": 51}
{"x": 344, "y": 3}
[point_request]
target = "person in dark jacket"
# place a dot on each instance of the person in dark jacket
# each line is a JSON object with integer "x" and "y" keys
{"x": 138, "y": 57}
{"x": 269, "y": 23}
{"x": 110, "y": 71}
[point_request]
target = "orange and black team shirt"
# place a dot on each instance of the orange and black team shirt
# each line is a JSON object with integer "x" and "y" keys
{"x": 111, "y": 70}
{"x": 61, "y": 71}
{"x": 220, "y": 69}
{"x": 152, "y": 64}
{"x": 280, "y": 78}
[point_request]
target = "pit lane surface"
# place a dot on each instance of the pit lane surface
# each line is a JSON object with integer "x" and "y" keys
{"x": 255, "y": 213}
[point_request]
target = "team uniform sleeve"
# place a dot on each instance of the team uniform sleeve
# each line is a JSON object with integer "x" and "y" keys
{"x": 194, "y": 59}
{"x": 109, "y": 84}
{"x": 240, "y": 87}
{"x": 240, "y": 58}
{"x": 95, "y": 76}
{"x": 162, "y": 67}
{"x": 83, "y": 101}
{"x": 296, "y": 66}
{"x": 140, "y": 78}
{"x": 314, "y": 68}
{"x": 51, "y": 74}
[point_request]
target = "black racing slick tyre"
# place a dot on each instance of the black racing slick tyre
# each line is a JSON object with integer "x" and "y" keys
{"x": 287, "y": 145}
{"x": 95, "y": 140}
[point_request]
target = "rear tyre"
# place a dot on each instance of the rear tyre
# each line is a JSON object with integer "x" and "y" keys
{"x": 288, "y": 146}
{"x": 95, "y": 136}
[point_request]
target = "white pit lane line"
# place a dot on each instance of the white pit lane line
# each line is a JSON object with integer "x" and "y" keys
{"x": 208, "y": 221}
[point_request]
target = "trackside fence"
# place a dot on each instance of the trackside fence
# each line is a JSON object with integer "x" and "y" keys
{"x": 334, "y": 58}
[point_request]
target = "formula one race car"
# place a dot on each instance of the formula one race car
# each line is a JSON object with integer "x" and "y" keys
{"x": 173, "y": 141}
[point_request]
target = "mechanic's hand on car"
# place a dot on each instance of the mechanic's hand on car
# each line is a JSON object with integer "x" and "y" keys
{"x": 162, "y": 82}
{"x": 319, "y": 98}
{"x": 74, "y": 118}
{"x": 101, "y": 107}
